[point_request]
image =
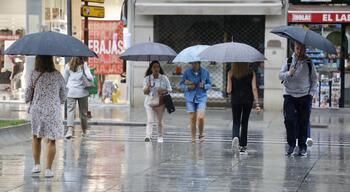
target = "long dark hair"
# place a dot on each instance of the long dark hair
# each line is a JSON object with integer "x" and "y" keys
{"x": 44, "y": 63}
{"x": 149, "y": 70}
{"x": 75, "y": 62}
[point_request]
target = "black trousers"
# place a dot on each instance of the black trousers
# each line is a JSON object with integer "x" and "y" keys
{"x": 240, "y": 116}
{"x": 296, "y": 119}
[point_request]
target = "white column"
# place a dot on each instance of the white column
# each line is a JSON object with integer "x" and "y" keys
{"x": 143, "y": 32}
{"x": 275, "y": 52}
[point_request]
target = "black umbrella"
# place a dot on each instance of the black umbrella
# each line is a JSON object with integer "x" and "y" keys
{"x": 49, "y": 43}
{"x": 149, "y": 51}
{"x": 306, "y": 37}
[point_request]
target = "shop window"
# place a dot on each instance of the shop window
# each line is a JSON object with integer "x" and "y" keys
{"x": 180, "y": 32}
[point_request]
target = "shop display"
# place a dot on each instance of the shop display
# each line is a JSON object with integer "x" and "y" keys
{"x": 329, "y": 81}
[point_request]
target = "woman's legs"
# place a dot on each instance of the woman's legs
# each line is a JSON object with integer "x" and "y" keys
{"x": 245, "y": 118}
{"x": 150, "y": 121}
{"x": 200, "y": 119}
{"x": 51, "y": 152}
{"x": 71, "y": 102}
{"x": 193, "y": 122}
{"x": 160, "y": 112}
{"x": 83, "y": 110}
{"x": 236, "y": 119}
{"x": 36, "y": 147}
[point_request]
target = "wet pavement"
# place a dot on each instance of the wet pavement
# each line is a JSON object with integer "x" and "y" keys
{"x": 115, "y": 158}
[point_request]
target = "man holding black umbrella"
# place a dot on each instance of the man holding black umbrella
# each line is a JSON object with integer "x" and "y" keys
{"x": 299, "y": 78}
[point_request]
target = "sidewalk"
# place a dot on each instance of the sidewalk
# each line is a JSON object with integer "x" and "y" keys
{"x": 215, "y": 118}
{"x": 116, "y": 158}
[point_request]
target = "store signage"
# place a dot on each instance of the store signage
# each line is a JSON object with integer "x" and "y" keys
{"x": 106, "y": 39}
{"x": 318, "y": 1}
{"x": 94, "y": 1}
{"x": 9, "y": 37}
{"x": 319, "y": 17}
{"x": 315, "y": 1}
{"x": 93, "y": 11}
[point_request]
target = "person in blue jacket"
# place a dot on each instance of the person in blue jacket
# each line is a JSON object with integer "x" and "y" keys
{"x": 195, "y": 83}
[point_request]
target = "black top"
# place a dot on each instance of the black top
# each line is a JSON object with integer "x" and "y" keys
{"x": 241, "y": 91}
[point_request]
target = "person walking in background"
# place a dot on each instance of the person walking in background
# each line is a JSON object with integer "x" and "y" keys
{"x": 73, "y": 74}
{"x": 45, "y": 93}
{"x": 300, "y": 81}
{"x": 155, "y": 85}
{"x": 241, "y": 83}
{"x": 195, "y": 83}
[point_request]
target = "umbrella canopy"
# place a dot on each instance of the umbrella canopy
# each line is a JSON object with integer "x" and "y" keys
{"x": 306, "y": 37}
{"x": 49, "y": 43}
{"x": 232, "y": 52}
{"x": 148, "y": 52}
{"x": 190, "y": 54}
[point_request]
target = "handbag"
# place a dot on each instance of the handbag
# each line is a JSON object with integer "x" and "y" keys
{"x": 87, "y": 83}
{"x": 33, "y": 90}
{"x": 155, "y": 100}
{"x": 169, "y": 105}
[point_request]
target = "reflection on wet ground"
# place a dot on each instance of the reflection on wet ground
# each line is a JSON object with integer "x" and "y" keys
{"x": 115, "y": 158}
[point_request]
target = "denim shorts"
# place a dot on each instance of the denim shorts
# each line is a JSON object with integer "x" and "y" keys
{"x": 192, "y": 107}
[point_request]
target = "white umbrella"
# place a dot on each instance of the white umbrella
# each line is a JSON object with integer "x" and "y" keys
{"x": 190, "y": 54}
{"x": 232, "y": 52}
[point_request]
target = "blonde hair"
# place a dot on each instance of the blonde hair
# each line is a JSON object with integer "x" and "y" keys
{"x": 240, "y": 70}
{"x": 74, "y": 63}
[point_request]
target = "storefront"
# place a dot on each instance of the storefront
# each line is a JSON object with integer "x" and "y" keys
{"x": 18, "y": 18}
{"x": 333, "y": 22}
{"x": 187, "y": 23}
{"x": 106, "y": 38}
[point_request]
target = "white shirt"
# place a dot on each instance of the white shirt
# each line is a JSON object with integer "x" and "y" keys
{"x": 162, "y": 82}
{"x": 74, "y": 82}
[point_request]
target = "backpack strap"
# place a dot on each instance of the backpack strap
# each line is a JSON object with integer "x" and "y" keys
{"x": 289, "y": 63}
{"x": 309, "y": 65}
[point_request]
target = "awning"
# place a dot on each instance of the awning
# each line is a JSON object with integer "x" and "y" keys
{"x": 318, "y": 14}
{"x": 209, "y": 7}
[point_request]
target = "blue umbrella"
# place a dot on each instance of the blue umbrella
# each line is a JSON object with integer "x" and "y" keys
{"x": 190, "y": 54}
{"x": 232, "y": 52}
{"x": 49, "y": 43}
{"x": 149, "y": 51}
{"x": 306, "y": 37}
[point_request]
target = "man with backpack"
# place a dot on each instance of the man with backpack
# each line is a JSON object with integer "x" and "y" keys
{"x": 299, "y": 78}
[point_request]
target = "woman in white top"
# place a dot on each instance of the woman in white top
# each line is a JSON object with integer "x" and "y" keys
{"x": 73, "y": 73}
{"x": 155, "y": 85}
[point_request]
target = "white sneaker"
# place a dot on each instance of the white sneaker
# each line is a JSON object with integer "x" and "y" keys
{"x": 69, "y": 133}
{"x": 235, "y": 143}
{"x": 36, "y": 169}
{"x": 309, "y": 142}
{"x": 160, "y": 139}
{"x": 86, "y": 134}
{"x": 48, "y": 173}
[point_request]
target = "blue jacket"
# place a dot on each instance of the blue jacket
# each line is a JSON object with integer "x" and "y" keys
{"x": 198, "y": 94}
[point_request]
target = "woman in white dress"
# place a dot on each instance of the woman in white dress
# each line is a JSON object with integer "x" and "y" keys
{"x": 46, "y": 92}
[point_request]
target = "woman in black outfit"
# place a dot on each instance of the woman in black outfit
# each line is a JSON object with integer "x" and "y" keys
{"x": 241, "y": 83}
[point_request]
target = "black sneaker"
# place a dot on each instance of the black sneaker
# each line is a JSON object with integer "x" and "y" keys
{"x": 243, "y": 150}
{"x": 147, "y": 139}
{"x": 303, "y": 152}
{"x": 290, "y": 151}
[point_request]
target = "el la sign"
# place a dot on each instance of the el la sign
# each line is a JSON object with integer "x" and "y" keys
{"x": 318, "y": 17}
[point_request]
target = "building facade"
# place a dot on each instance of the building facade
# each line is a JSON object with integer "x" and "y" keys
{"x": 181, "y": 24}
